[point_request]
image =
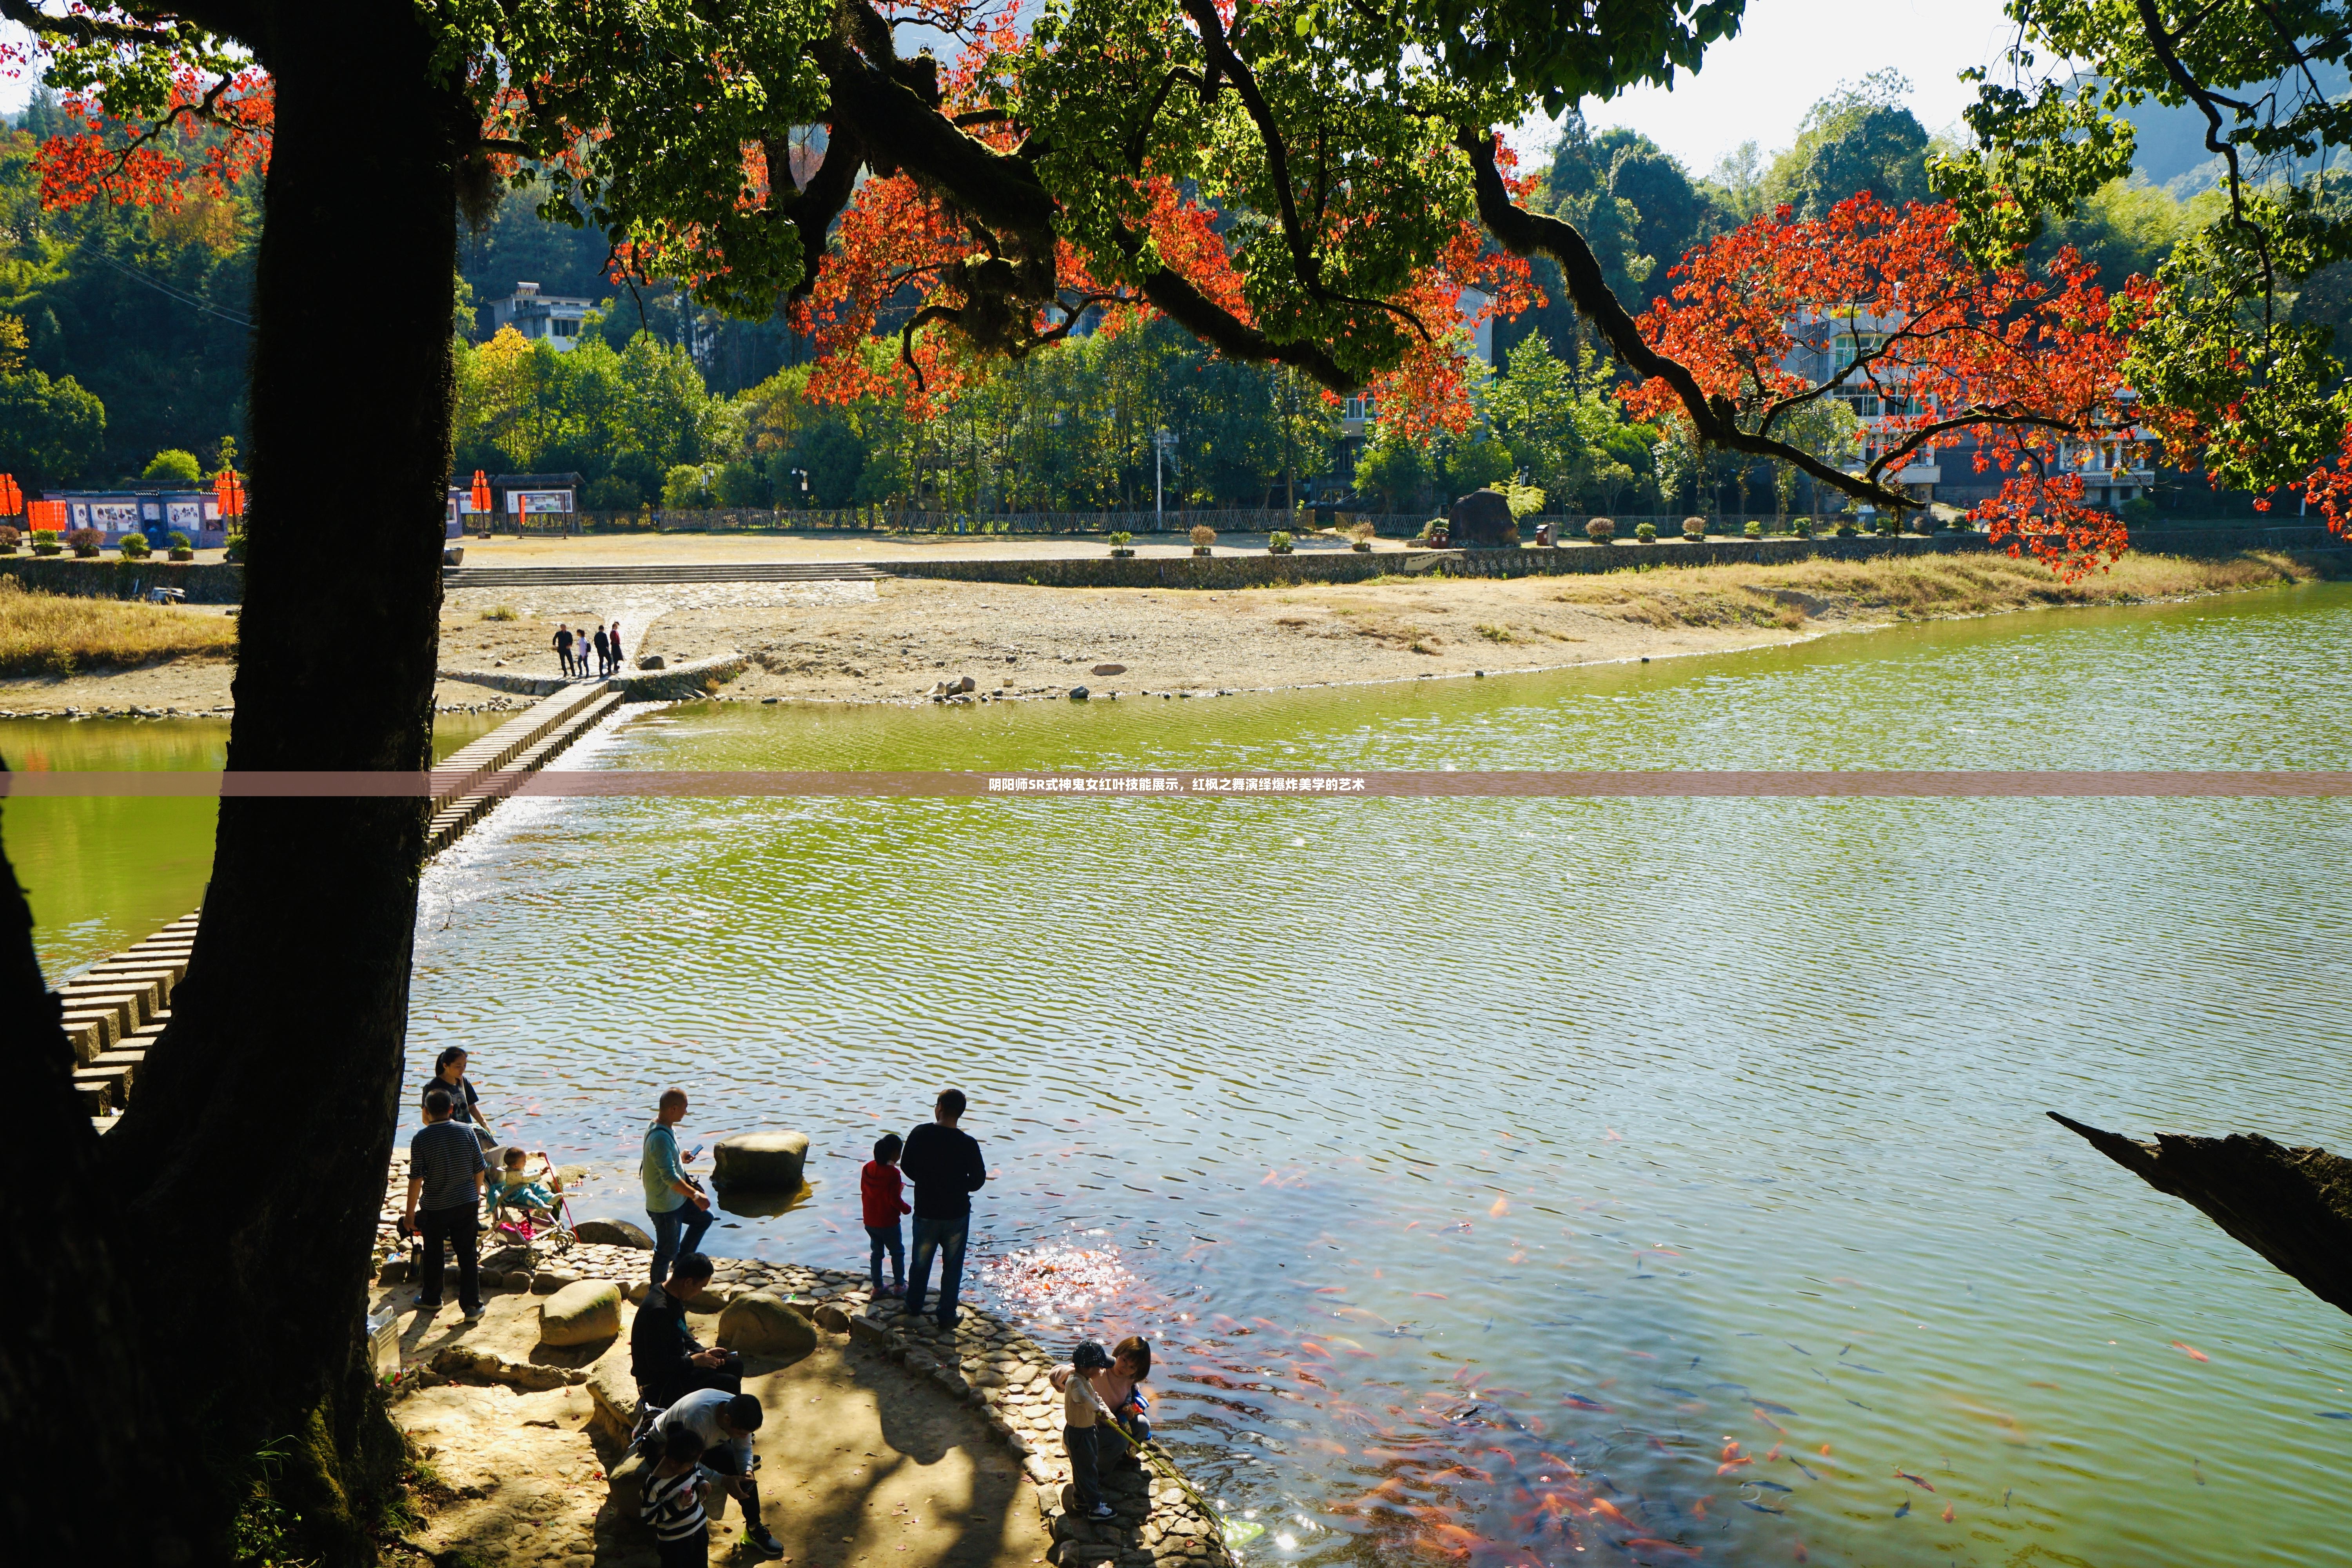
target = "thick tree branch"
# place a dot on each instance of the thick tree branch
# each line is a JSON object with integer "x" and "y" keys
{"x": 814, "y": 210}
{"x": 1173, "y": 296}
{"x": 1223, "y": 61}
{"x": 1716, "y": 420}
{"x": 896, "y": 126}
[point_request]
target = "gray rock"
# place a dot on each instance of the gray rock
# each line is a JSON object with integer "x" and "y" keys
{"x": 761, "y": 1323}
{"x": 548, "y": 1281}
{"x": 1079, "y": 694}
{"x": 652, "y": 661}
{"x": 613, "y": 1233}
{"x": 832, "y": 1319}
{"x": 761, "y": 1162}
{"x": 580, "y": 1313}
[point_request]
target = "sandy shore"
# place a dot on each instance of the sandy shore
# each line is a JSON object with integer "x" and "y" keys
{"x": 893, "y": 639}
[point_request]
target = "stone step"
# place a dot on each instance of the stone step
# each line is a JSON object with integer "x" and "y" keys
{"x": 101, "y": 1089}
{"x": 127, "y": 1061}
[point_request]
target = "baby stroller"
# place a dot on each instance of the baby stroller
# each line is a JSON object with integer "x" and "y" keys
{"x": 518, "y": 1218}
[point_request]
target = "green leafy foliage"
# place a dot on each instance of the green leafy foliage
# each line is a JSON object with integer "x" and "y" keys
{"x": 173, "y": 466}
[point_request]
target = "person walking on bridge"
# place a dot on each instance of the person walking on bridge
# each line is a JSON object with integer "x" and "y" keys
{"x": 944, "y": 1162}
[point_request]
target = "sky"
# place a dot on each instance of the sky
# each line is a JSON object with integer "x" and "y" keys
{"x": 1789, "y": 54}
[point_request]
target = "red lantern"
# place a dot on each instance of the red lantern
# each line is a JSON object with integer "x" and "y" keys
{"x": 12, "y": 499}
{"x": 481, "y": 491}
{"x": 228, "y": 493}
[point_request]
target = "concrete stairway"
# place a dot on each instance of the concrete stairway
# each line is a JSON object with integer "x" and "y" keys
{"x": 472, "y": 779}
{"x": 114, "y": 1011}
{"x": 588, "y": 576}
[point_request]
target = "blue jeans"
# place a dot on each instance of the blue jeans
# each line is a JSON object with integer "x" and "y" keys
{"x": 678, "y": 1230}
{"x": 944, "y": 1236}
{"x": 886, "y": 1239}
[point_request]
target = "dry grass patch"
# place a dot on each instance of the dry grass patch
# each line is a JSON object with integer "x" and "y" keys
{"x": 1926, "y": 587}
{"x": 51, "y": 634}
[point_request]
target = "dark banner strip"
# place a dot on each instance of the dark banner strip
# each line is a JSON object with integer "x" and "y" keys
{"x": 1691, "y": 784}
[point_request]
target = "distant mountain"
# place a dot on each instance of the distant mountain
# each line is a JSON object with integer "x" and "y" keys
{"x": 2172, "y": 141}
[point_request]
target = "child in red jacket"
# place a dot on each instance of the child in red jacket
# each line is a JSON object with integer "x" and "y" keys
{"x": 879, "y": 1188}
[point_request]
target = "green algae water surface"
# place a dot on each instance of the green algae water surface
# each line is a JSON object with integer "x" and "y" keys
{"x": 103, "y": 872}
{"x": 1540, "y": 1181}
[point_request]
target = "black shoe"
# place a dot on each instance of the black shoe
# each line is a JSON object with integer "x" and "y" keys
{"x": 422, "y": 1305}
{"x": 763, "y": 1539}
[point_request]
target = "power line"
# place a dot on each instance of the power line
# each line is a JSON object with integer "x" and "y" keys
{"x": 181, "y": 296}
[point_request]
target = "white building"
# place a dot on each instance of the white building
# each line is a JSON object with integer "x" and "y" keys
{"x": 551, "y": 318}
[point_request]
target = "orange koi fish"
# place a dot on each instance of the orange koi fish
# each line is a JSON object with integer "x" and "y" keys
{"x": 1920, "y": 1481}
{"x": 1434, "y": 1295}
{"x": 1947, "y": 1513}
{"x": 1501, "y": 1207}
{"x": 1456, "y": 1539}
{"x": 1604, "y": 1508}
{"x": 2192, "y": 1351}
{"x": 1731, "y": 1465}
{"x": 1330, "y": 1289}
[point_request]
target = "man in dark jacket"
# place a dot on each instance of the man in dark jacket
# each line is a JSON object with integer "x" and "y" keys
{"x": 664, "y": 1357}
{"x": 944, "y": 1164}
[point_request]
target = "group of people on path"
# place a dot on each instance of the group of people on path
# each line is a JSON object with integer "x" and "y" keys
{"x": 573, "y": 648}
{"x": 695, "y": 1424}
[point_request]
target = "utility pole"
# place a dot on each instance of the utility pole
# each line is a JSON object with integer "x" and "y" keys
{"x": 1162, "y": 440}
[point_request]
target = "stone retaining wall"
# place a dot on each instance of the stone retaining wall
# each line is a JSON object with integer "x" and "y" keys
{"x": 679, "y": 682}
{"x": 205, "y": 582}
{"x": 1227, "y": 572}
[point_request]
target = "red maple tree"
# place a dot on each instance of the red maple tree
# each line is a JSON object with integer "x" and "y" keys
{"x": 2024, "y": 365}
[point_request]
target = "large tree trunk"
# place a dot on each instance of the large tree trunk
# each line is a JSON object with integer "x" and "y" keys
{"x": 251, "y": 1167}
{"x": 2292, "y": 1206}
{"x": 82, "y": 1431}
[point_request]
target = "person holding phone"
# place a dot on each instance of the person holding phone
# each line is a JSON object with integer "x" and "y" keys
{"x": 675, "y": 1202}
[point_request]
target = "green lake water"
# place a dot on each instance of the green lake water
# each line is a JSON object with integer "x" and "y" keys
{"x": 105, "y": 872}
{"x": 1485, "y": 1169}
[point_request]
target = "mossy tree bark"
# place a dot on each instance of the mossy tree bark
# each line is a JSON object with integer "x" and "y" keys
{"x": 244, "y": 1184}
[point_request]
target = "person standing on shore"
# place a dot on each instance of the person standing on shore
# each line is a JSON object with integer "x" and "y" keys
{"x": 679, "y": 1209}
{"x": 945, "y": 1165}
{"x": 878, "y": 1189}
{"x": 563, "y": 646}
{"x": 615, "y": 645}
{"x": 604, "y": 653}
{"x": 466, "y": 1107}
{"x": 447, "y": 1170}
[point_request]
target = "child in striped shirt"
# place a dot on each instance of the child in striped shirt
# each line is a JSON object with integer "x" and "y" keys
{"x": 672, "y": 1501}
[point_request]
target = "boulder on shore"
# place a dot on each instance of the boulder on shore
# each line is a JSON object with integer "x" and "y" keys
{"x": 761, "y": 1323}
{"x": 760, "y": 1162}
{"x": 613, "y": 1233}
{"x": 580, "y": 1313}
{"x": 1480, "y": 518}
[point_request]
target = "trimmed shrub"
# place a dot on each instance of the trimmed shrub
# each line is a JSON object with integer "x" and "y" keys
{"x": 1601, "y": 530}
{"x": 1278, "y": 542}
{"x": 172, "y": 467}
{"x": 7, "y": 542}
{"x": 134, "y": 547}
{"x": 84, "y": 541}
{"x": 1202, "y": 536}
{"x": 1803, "y": 527}
{"x": 182, "y": 552}
{"x": 179, "y": 540}
{"x": 1694, "y": 528}
{"x": 1647, "y": 532}
{"x": 1888, "y": 523}
{"x": 47, "y": 544}
{"x": 1753, "y": 530}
